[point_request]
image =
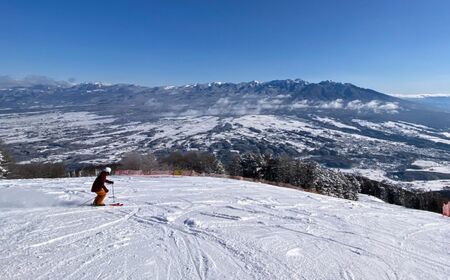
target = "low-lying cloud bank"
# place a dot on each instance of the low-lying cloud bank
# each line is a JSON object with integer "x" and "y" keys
{"x": 375, "y": 106}
{"x": 226, "y": 106}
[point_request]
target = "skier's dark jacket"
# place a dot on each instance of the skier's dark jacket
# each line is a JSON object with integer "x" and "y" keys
{"x": 99, "y": 182}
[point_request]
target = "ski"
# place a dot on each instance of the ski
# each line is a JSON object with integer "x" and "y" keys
{"x": 116, "y": 204}
{"x": 111, "y": 204}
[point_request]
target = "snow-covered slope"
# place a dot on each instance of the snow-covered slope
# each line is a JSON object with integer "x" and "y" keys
{"x": 205, "y": 228}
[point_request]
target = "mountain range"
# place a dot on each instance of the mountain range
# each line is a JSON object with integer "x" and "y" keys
{"x": 337, "y": 124}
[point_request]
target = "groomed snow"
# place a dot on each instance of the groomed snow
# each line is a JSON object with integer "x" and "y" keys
{"x": 206, "y": 228}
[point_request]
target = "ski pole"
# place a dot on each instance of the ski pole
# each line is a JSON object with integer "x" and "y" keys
{"x": 114, "y": 197}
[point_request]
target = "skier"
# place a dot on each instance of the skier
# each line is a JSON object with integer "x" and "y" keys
{"x": 99, "y": 186}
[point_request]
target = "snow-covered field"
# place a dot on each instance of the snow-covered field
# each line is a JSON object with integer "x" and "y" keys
{"x": 381, "y": 176}
{"x": 90, "y": 138}
{"x": 431, "y": 166}
{"x": 206, "y": 228}
{"x": 407, "y": 129}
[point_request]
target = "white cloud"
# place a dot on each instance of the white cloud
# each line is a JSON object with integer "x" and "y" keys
{"x": 229, "y": 106}
{"x": 357, "y": 105}
{"x": 374, "y": 105}
{"x": 336, "y": 104}
{"x": 390, "y": 106}
{"x": 300, "y": 104}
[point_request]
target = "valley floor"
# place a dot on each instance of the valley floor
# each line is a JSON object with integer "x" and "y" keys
{"x": 208, "y": 228}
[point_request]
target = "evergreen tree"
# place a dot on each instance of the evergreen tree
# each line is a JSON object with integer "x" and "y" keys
{"x": 234, "y": 168}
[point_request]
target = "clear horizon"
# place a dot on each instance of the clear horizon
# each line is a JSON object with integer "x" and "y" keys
{"x": 394, "y": 47}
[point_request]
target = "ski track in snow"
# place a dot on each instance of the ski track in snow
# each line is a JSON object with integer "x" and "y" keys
{"x": 209, "y": 228}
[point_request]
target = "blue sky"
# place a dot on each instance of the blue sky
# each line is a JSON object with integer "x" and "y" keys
{"x": 391, "y": 46}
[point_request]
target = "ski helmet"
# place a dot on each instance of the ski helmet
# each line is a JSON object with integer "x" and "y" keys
{"x": 107, "y": 170}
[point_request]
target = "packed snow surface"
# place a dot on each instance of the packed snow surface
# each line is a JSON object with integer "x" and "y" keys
{"x": 209, "y": 228}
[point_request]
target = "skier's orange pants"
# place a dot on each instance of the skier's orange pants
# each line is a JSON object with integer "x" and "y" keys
{"x": 100, "y": 197}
